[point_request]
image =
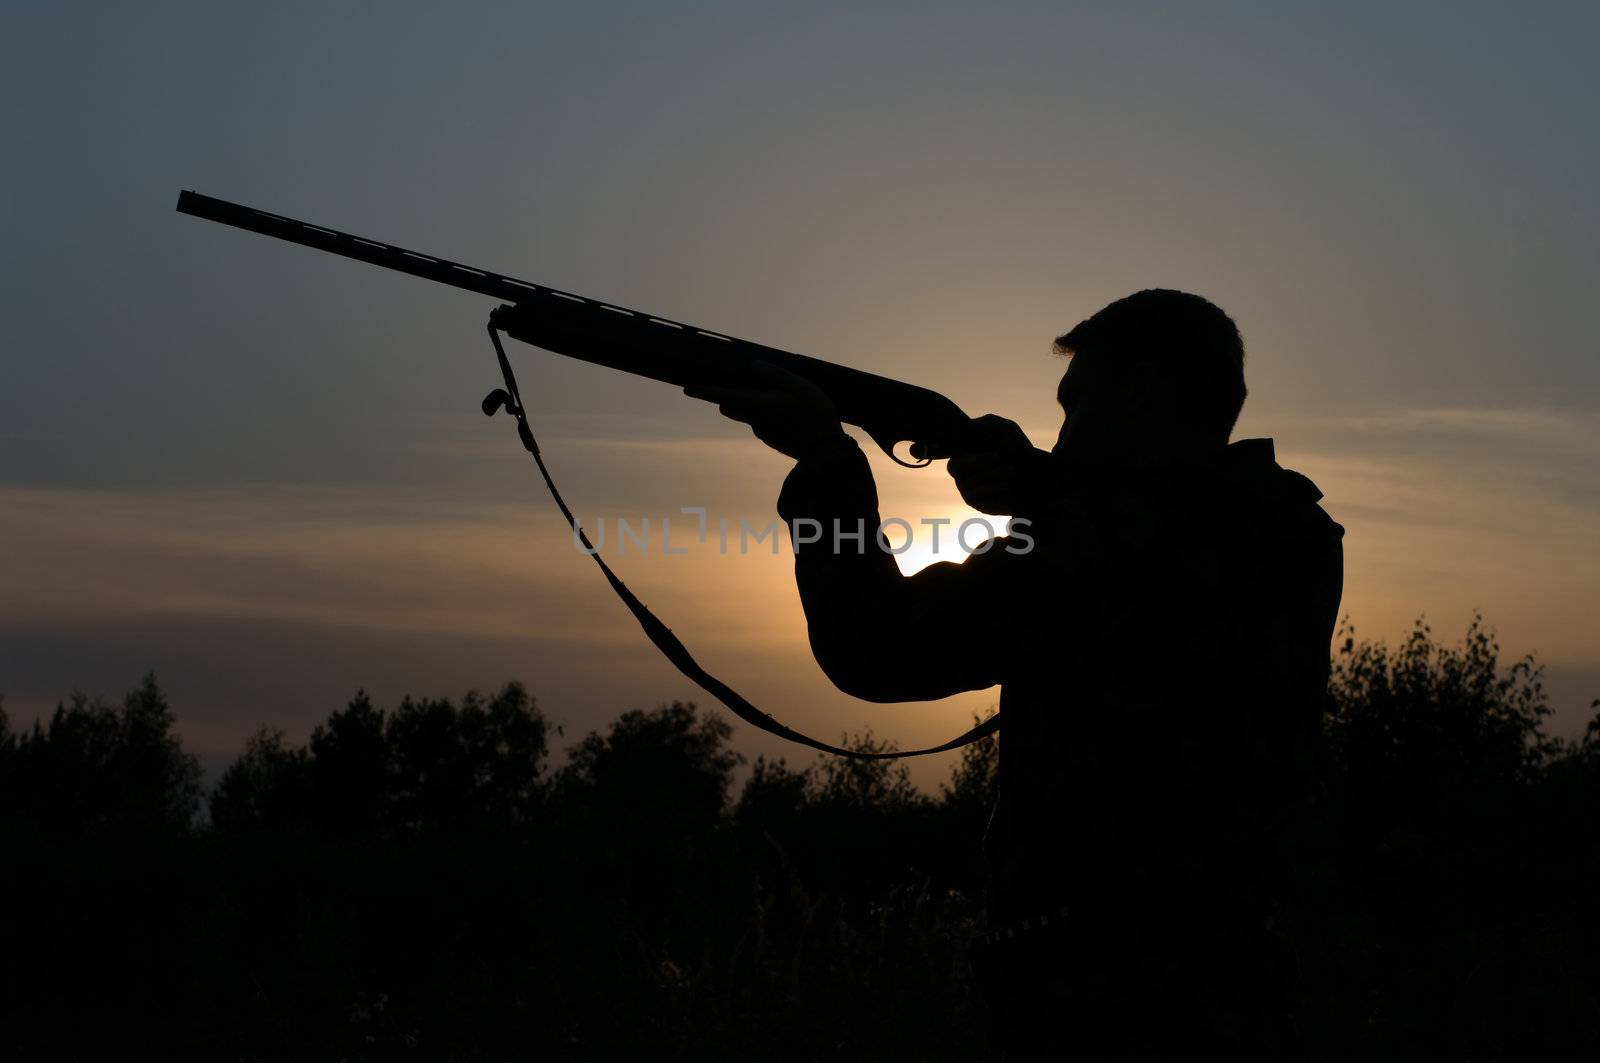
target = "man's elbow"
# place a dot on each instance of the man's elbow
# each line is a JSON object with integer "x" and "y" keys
{"x": 862, "y": 674}
{"x": 871, "y": 688}
{"x": 885, "y": 681}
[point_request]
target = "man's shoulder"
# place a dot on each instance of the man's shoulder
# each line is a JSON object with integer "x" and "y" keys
{"x": 1236, "y": 494}
{"x": 1244, "y": 480}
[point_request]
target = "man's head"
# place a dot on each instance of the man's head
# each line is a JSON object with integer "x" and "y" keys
{"x": 1152, "y": 376}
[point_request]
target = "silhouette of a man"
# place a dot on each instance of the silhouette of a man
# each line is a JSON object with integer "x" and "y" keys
{"x": 1163, "y": 654}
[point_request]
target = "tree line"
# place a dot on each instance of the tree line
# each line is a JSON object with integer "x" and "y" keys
{"x": 420, "y": 881}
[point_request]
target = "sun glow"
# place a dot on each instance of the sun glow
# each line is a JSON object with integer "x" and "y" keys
{"x": 946, "y": 535}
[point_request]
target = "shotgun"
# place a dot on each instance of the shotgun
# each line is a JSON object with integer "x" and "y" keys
{"x": 889, "y": 411}
{"x": 661, "y": 349}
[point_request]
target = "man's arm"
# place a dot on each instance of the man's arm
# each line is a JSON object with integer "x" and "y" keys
{"x": 877, "y": 634}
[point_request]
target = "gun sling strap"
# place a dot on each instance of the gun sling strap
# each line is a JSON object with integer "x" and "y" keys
{"x": 665, "y": 641}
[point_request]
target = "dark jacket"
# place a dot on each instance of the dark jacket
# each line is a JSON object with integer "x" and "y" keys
{"x": 1162, "y": 651}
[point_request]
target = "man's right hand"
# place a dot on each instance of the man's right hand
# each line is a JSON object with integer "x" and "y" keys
{"x": 1001, "y": 473}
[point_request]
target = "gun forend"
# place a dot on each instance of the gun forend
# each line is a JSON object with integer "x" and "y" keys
{"x": 890, "y": 411}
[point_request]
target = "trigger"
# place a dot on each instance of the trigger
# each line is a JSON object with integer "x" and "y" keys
{"x": 898, "y": 460}
{"x": 916, "y": 450}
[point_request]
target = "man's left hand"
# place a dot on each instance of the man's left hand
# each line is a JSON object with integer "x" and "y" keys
{"x": 786, "y": 411}
{"x": 1002, "y": 473}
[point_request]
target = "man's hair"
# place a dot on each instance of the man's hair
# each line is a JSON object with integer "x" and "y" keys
{"x": 1188, "y": 339}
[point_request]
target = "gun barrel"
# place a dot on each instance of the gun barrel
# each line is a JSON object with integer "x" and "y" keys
{"x": 429, "y": 267}
{"x": 642, "y": 344}
{"x": 392, "y": 256}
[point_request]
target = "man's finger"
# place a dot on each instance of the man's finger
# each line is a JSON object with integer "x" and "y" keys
{"x": 978, "y": 464}
{"x": 744, "y": 412}
{"x": 714, "y": 393}
{"x": 998, "y": 433}
{"x": 783, "y": 380}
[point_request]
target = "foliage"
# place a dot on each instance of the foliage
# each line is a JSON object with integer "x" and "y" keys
{"x": 852, "y": 785}
{"x": 1450, "y": 714}
{"x": 975, "y": 780}
{"x": 101, "y": 771}
{"x": 416, "y": 881}
{"x": 656, "y": 773}
{"x": 428, "y": 766}
{"x": 269, "y": 787}
{"x": 1439, "y": 871}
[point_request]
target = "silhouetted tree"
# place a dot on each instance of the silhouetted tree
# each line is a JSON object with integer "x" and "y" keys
{"x": 847, "y": 784}
{"x": 974, "y": 783}
{"x": 428, "y": 766}
{"x": 478, "y": 763}
{"x": 411, "y": 882}
{"x": 1449, "y": 715}
{"x": 774, "y": 795}
{"x": 1436, "y": 861}
{"x": 350, "y": 769}
{"x": 95, "y": 770}
{"x": 663, "y": 772}
{"x": 268, "y": 788}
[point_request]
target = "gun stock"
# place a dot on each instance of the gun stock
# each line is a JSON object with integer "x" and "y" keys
{"x": 888, "y": 410}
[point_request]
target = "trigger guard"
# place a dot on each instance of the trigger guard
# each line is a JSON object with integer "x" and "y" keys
{"x": 888, "y": 445}
{"x": 898, "y": 460}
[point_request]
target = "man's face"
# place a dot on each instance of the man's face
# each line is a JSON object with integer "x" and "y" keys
{"x": 1112, "y": 417}
{"x": 1077, "y": 396}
